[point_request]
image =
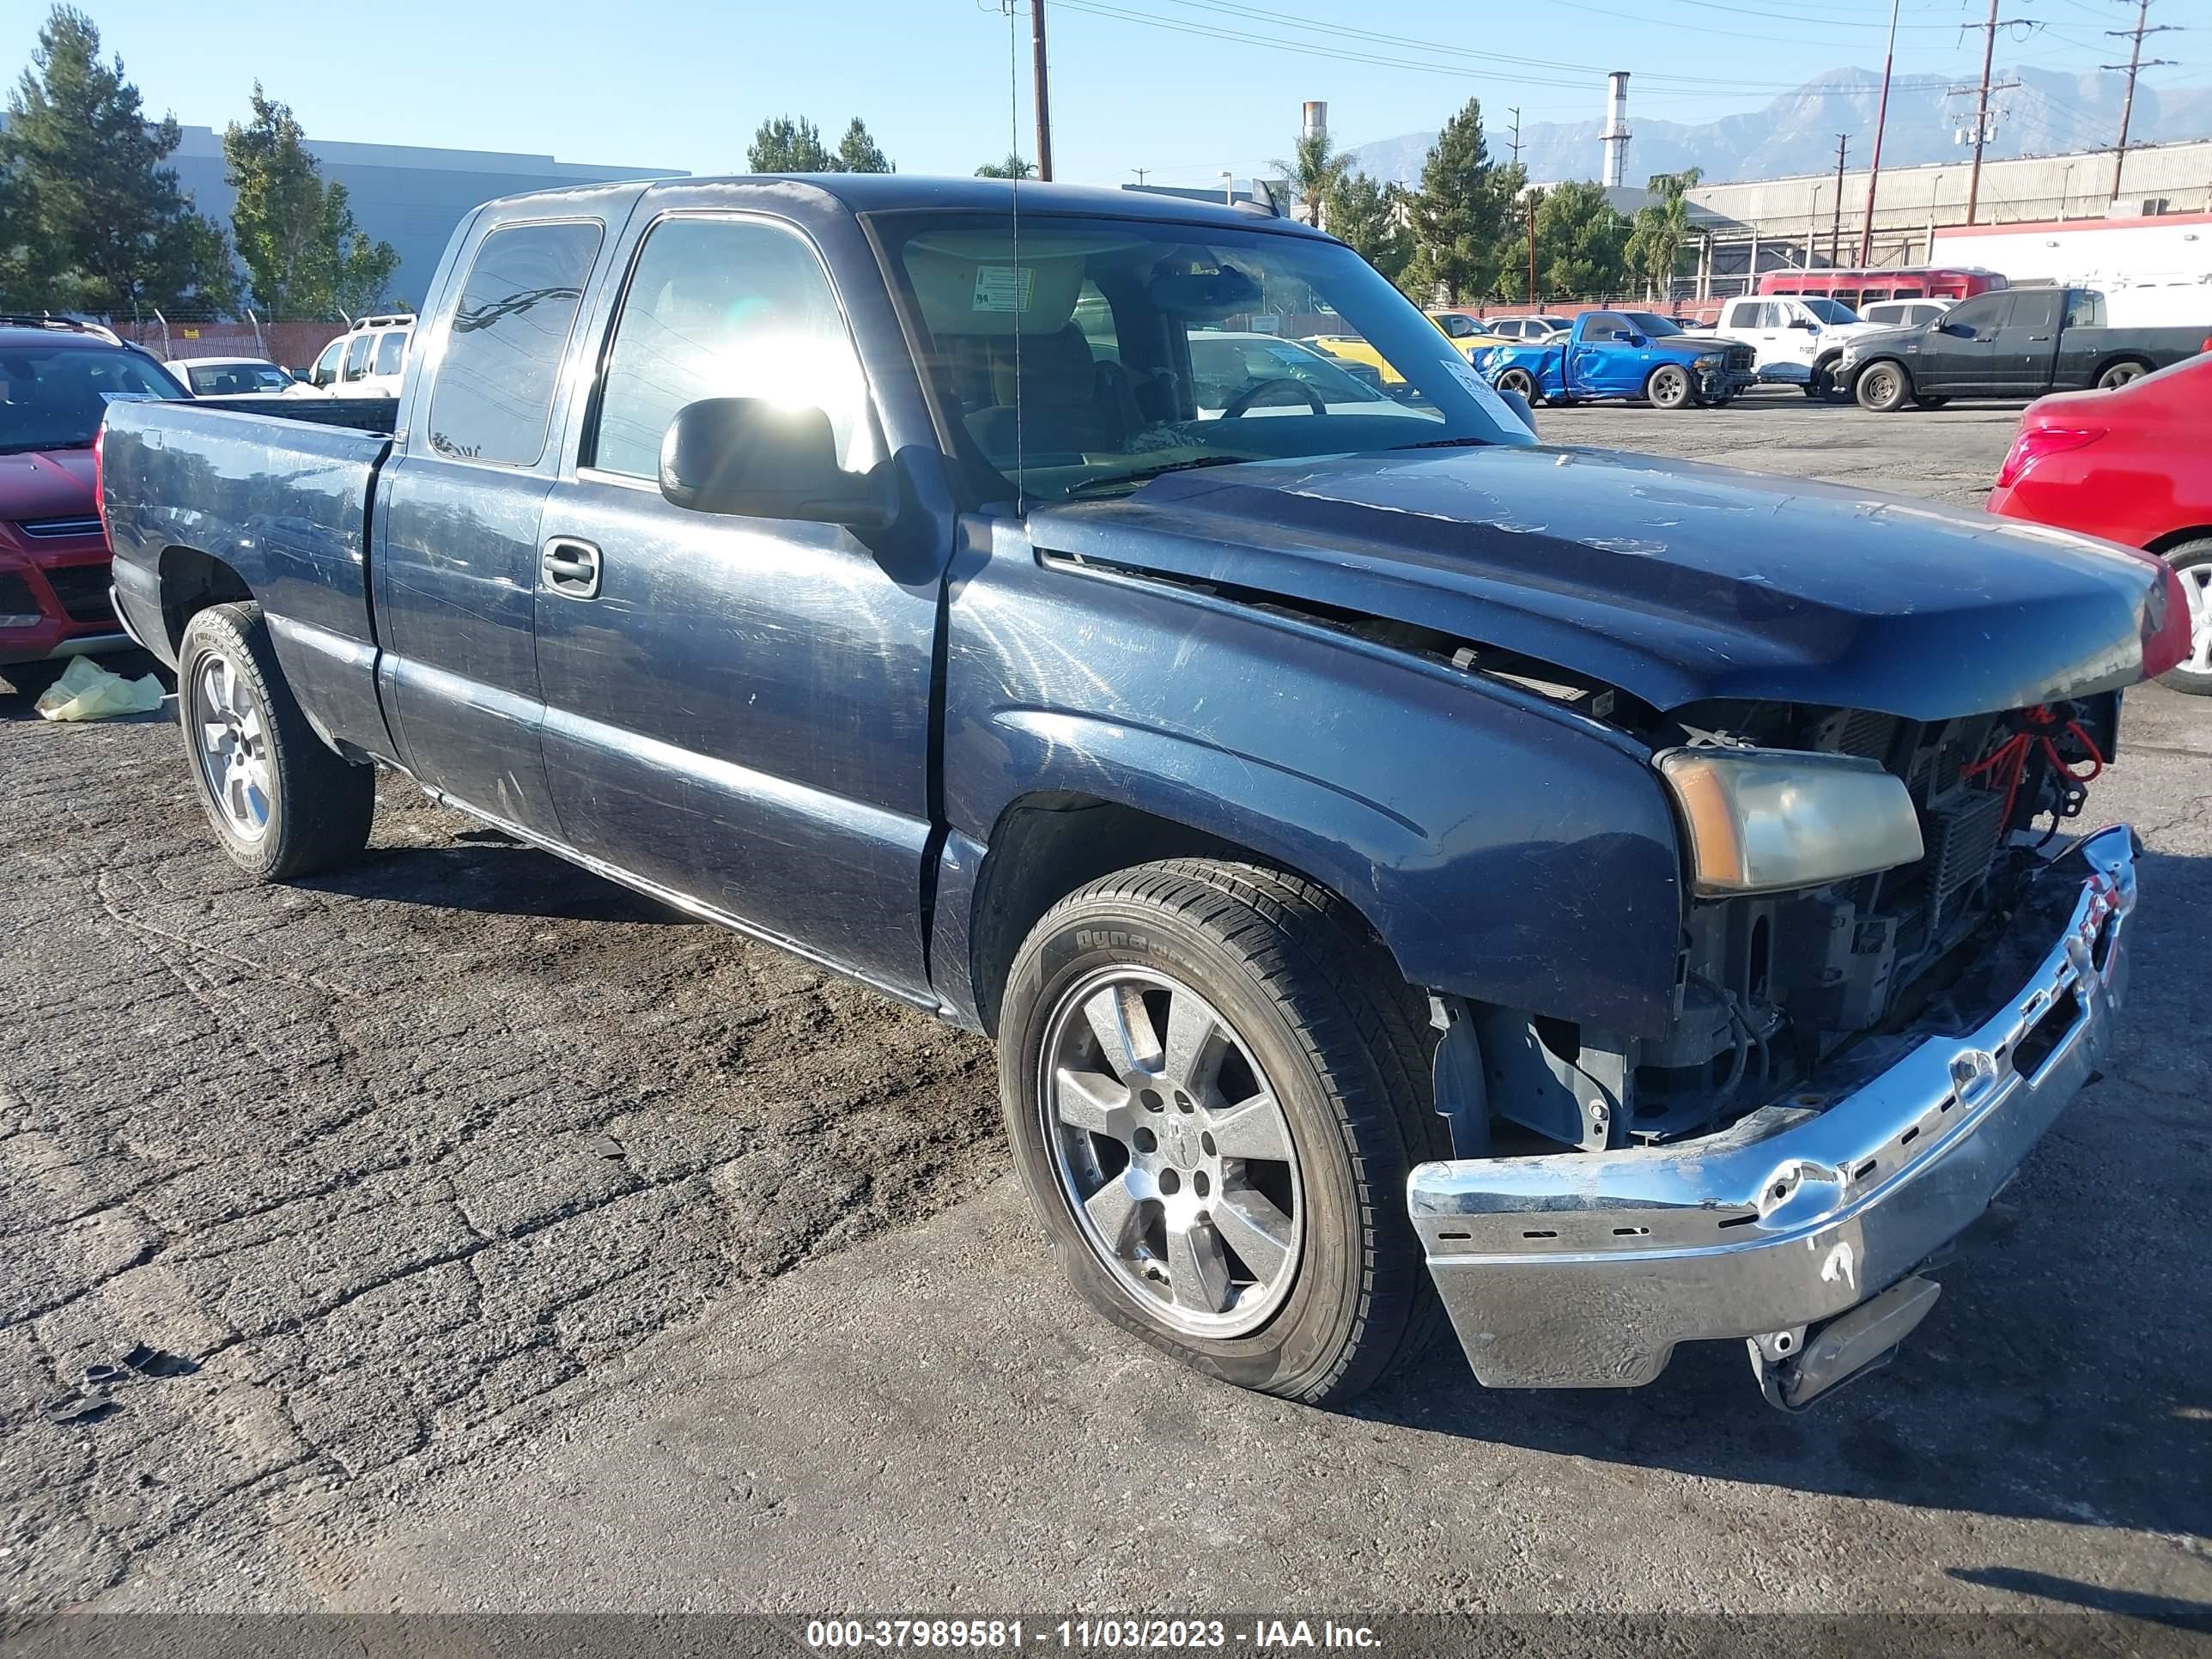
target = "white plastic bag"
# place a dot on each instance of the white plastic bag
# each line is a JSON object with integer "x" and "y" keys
{"x": 86, "y": 692}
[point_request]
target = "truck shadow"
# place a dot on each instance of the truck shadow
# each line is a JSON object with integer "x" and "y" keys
{"x": 485, "y": 872}
{"x": 2061, "y": 1376}
{"x": 2169, "y": 1610}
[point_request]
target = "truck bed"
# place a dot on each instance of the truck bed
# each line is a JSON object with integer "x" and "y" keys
{"x": 270, "y": 493}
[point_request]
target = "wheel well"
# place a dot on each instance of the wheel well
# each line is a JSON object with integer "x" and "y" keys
{"x": 2116, "y": 360}
{"x": 2174, "y": 538}
{"x": 191, "y": 581}
{"x": 1046, "y": 845}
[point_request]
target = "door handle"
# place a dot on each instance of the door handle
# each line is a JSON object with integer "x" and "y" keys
{"x": 2033, "y": 338}
{"x": 571, "y": 568}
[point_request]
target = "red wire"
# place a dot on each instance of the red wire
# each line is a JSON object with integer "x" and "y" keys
{"x": 2008, "y": 761}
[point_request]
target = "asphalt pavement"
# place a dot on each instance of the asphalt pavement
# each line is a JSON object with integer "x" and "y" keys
{"x": 463, "y": 1232}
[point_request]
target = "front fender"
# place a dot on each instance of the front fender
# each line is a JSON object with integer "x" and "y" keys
{"x": 1502, "y": 849}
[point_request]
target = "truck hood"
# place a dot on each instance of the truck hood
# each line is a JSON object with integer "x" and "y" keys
{"x": 1868, "y": 336}
{"x": 1675, "y": 582}
{"x": 43, "y": 484}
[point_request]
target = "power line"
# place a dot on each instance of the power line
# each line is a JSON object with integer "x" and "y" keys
{"x": 1982, "y": 101}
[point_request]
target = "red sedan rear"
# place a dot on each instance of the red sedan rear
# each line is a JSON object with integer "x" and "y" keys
{"x": 2133, "y": 465}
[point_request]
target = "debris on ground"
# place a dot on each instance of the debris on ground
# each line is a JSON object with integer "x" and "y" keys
{"x": 86, "y": 692}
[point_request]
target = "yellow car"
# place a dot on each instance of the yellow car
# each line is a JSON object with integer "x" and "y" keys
{"x": 1465, "y": 332}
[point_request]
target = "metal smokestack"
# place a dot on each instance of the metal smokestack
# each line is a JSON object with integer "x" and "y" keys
{"x": 1317, "y": 118}
{"x": 1614, "y": 139}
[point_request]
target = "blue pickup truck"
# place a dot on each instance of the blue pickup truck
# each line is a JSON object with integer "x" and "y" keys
{"x": 1622, "y": 354}
{"x": 1400, "y": 864}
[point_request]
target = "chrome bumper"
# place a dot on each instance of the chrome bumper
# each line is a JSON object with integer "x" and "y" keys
{"x": 1583, "y": 1270}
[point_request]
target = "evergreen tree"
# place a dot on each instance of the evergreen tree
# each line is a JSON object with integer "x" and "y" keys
{"x": 784, "y": 145}
{"x": 1370, "y": 218}
{"x": 94, "y": 222}
{"x": 1458, "y": 215}
{"x": 857, "y": 152}
{"x": 304, "y": 255}
{"x": 1580, "y": 237}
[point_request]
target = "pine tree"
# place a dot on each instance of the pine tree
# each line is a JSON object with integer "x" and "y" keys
{"x": 1458, "y": 215}
{"x": 95, "y": 222}
{"x": 784, "y": 145}
{"x": 857, "y": 152}
{"x": 1579, "y": 241}
{"x": 1370, "y": 218}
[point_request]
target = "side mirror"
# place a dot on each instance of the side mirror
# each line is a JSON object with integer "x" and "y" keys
{"x": 1633, "y": 340}
{"x": 1805, "y": 323}
{"x": 756, "y": 459}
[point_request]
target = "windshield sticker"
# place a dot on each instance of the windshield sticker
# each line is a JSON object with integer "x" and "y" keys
{"x": 1493, "y": 405}
{"x": 1005, "y": 288}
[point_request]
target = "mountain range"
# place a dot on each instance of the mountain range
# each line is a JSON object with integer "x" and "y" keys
{"x": 2050, "y": 113}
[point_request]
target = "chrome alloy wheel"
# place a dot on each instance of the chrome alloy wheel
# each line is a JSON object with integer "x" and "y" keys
{"x": 1172, "y": 1150}
{"x": 232, "y": 744}
{"x": 2196, "y": 584}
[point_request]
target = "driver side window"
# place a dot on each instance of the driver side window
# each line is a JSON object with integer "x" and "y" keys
{"x": 1604, "y": 326}
{"x": 327, "y": 366}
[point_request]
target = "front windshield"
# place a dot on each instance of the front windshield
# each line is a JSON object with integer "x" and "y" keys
{"x": 234, "y": 380}
{"x": 1650, "y": 323}
{"x": 1829, "y": 311}
{"x": 1102, "y": 352}
{"x": 52, "y": 396}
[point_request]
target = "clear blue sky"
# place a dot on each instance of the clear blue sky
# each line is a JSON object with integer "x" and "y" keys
{"x": 1136, "y": 83}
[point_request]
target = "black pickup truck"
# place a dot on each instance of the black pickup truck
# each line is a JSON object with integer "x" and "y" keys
{"x": 1394, "y": 859}
{"x": 2014, "y": 342}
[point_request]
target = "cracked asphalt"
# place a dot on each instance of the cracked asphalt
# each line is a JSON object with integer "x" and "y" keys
{"x": 463, "y": 1232}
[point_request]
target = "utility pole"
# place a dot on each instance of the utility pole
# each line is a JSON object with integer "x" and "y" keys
{"x": 1140, "y": 173}
{"x": 1532, "y": 250}
{"x": 1043, "y": 103}
{"x": 1880, "y": 119}
{"x": 1836, "y": 226}
{"x": 1981, "y": 100}
{"x": 1514, "y": 143}
{"x": 2134, "y": 67}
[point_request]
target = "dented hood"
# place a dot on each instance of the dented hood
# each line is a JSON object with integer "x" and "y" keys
{"x": 1673, "y": 580}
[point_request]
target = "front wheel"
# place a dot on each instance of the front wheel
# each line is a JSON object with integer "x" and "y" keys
{"x": 2192, "y": 562}
{"x": 1669, "y": 386}
{"x": 1820, "y": 385}
{"x": 1215, "y": 1092}
{"x": 282, "y": 802}
{"x": 1883, "y": 387}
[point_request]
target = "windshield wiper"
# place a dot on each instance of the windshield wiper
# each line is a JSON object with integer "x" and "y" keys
{"x": 1448, "y": 443}
{"x": 1145, "y": 475}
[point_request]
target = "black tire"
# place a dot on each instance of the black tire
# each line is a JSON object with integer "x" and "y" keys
{"x": 1520, "y": 380}
{"x": 1669, "y": 386}
{"x": 1301, "y": 983}
{"x": 2193, "y": 559}
{"x": 29, "y": 679}
{"x": 2119, "y": 373}
{"x": 1883, "y": 386}
{"x": 318, "y": 806}
{"x": 1820, "y": 385}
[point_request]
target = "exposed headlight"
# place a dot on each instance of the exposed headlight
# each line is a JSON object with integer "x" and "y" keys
{"x": 1768, "y": 820}
{"x": 1709, "y": 360}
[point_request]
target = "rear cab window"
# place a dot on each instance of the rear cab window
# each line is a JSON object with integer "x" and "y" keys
{"x": 493, "y": 396}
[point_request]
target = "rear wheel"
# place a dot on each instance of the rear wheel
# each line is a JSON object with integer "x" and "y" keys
{"x": 282, "y": 802}
{"x": 1215, "y": 1092}
{"x": 1669, "y": 386}
{"x": 2192, "y": 560}
{"x": 1520, "y": 380}
{"x": 2120, "y": 374}
{"x": 1883, "y": 386}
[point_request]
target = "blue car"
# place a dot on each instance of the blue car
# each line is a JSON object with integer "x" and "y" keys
{"x": 1622, "y": 354}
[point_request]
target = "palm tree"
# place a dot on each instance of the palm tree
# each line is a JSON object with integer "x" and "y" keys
{"x": 1013, "y": 167}
{"x": 1654, "y": 246}
{"x": 1314, "y": 174}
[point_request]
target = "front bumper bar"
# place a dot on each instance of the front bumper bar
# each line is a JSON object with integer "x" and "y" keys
{"x": 1583, "y": 1270}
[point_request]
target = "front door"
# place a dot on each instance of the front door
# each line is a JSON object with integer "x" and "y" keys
{"x": 456, "y": 525}
{"x": 738, "y": 709}
{"x": 1960, "y": 355}
{"x": 2027, "y": 341}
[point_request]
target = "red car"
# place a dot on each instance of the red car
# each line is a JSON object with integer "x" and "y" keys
{"x": 57, "y": 380}
{"x": 2133, "y": 465}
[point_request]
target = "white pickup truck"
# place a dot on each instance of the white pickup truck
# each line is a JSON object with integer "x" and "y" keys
{"x": 1798, "y": 340}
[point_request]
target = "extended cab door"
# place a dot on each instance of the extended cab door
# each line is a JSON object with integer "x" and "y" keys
{"x": 2026, "y": 342}
{"x": 1960, "y": 354}
{"x": 454, "y": 530}
{"x": 1758, "y": 323}
{"x": 1600, "y": 362}
{"x": 738, "y": 709}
